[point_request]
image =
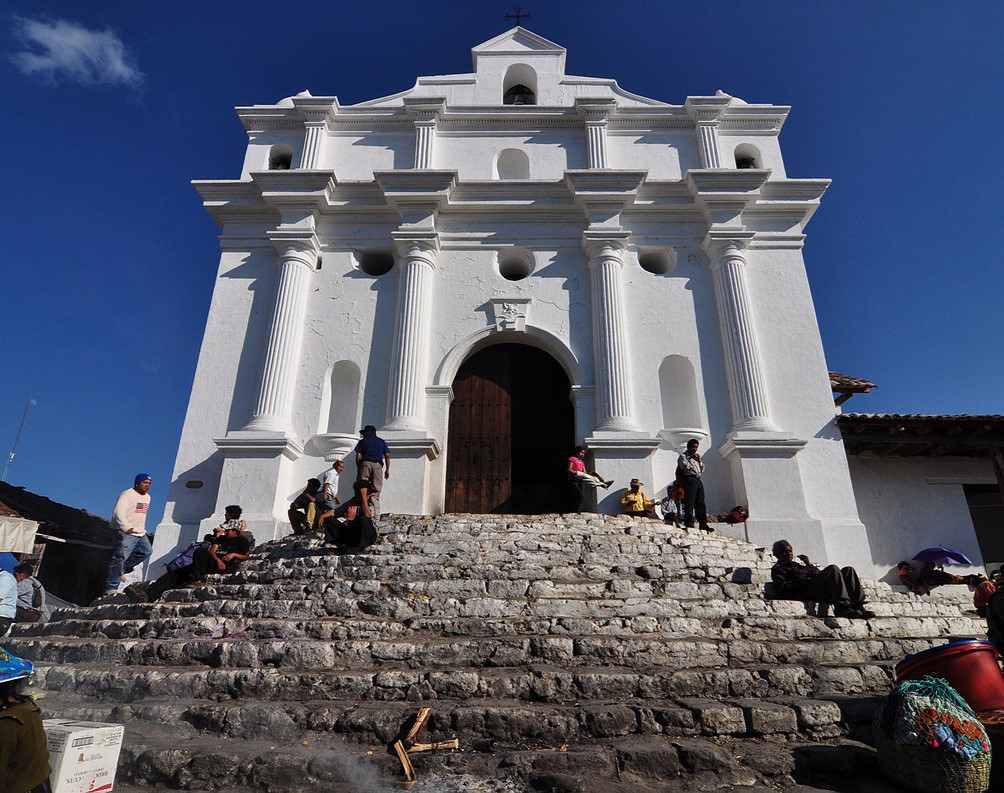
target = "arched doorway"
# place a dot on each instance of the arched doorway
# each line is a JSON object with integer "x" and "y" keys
{"x": 511, "y": 430}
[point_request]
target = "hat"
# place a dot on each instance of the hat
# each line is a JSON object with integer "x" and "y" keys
{"x": 140, "y": 478}
{"x": 367, "y": 428}
{"x": 13, "y": 668}
{"x": 636, "y": 482}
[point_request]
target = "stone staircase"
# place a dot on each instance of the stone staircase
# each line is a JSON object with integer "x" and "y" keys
{"x": 576, "y": 652}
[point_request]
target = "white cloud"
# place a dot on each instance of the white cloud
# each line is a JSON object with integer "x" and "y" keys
{"x": 59, "y": 49}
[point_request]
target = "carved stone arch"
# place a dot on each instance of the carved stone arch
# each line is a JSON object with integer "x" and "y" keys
{"x": 520, "y": 85}
{"x": 488, "y": 336}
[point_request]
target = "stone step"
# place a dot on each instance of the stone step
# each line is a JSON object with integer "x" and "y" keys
{"x": 762, "y": 626}
{"x": 368, "y": 721}
{"x": 458, "y": 652}
{"x": 533, "y": 682}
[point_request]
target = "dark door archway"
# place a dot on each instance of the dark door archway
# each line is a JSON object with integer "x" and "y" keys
{"x": 511, "y": 430}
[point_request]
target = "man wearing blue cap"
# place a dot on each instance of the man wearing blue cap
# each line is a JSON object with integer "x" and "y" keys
{"x": 129, "y": 517}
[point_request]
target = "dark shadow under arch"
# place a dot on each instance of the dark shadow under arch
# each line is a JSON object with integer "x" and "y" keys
{"x": 511, "y": 430}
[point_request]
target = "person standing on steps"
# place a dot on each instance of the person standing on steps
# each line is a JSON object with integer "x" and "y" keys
{"x": 802, "y": 580}
{"x": 372, "y": 463}
{"x": 129, "y": 517}
{"x": 689, "y": 470}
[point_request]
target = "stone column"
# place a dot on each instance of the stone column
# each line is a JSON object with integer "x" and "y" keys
{"x": 297, "y": 257}
{"x": 743, "y": 361}
{"x": 615, "y": 403}
{"x": 410, "y": 356}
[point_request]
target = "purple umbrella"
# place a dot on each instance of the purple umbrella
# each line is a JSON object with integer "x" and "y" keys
{"x": 942, "y": 555}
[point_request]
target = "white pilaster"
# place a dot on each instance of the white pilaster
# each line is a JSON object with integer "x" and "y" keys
{"x": 425, "y": 111}
{"x": 596, "y": 112}
{"x": 615, "y": 403}
{"x": 410, "y": 357}
{"x": 743, "y": 361}
{"x": 707, "y": 132}
{"x": 310, "y": 158}
{"x": 297, "y": 257}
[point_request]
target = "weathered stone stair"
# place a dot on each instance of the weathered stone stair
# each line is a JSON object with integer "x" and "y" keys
{"x": 647, "y": 645}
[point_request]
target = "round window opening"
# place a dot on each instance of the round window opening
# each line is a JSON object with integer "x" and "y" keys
{"x": 515, "y": 265}
{"x": 375, "y": 262}
{"x": 657, "y": 262}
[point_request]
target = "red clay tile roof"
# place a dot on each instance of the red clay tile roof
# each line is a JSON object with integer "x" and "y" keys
{"x": 844, "y": 384}
{"x": 921, "y": 435}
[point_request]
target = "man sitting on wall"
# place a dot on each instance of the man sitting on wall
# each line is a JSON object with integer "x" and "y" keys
{"x": 802, "y": 580}
{"x": 223, "y": 556}
{"x": 636, "y": 503}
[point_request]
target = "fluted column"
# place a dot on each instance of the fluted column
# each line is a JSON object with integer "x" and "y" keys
{"x": 311, "y": 155}
{"x": 707, "y": 133}
{"x": 743, "y": 361}
{"x": 596, "y": 140}
{"x": 615, "y": 403}
{"x": 425, "y": 134}
{"x": 410, "y": 357}
{"x": 273, "y": 408}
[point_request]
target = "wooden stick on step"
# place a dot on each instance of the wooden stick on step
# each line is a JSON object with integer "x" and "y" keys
{"x": 417, "y": 727}
{"x": 428, "y": 747}
{"x": 409, "y": 771}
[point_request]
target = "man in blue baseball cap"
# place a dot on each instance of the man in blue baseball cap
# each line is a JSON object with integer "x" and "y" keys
{"x": 129, "y": 517}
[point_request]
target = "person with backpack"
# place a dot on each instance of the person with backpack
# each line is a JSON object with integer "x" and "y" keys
{"x": 222, "y": 556}
{"x": 31, "y": 605}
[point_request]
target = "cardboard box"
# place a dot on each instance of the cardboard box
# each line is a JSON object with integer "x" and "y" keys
{"x": 83, "y": 755}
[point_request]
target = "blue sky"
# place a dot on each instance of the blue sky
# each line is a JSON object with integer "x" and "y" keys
{"x": 111, "y": 108}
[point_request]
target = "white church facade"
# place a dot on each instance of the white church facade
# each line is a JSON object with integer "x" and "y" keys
{"x": 496, "y": 266}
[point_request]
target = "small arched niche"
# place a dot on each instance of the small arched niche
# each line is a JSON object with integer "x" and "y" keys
{"x": 515, "y": 264}
{"x": 512, "y": 164}
{"x": 280, "y": 157}
{"x": 340, "y": 400}
{"x": 520, "y": 85}
{"x": 657, "y": 261}
{"x": 681, "y": 407}
{"x": 747, "y": 156}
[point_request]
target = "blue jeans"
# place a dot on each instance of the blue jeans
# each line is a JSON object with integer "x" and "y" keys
{"x": 131, "y": 552}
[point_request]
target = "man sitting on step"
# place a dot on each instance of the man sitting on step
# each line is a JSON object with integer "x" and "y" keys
{"x": 223, "y": 556}
{"x": 802, "y": 580}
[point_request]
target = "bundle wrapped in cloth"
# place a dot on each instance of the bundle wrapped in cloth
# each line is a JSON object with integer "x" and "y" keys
{"x": 929, "y": 739}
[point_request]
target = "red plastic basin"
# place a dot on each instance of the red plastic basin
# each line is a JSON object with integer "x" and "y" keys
{"x": 969, "y": 666}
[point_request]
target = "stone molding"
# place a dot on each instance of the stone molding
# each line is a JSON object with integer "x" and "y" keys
{"x": 510, "y": 313}
{"x": 242, "y": 443}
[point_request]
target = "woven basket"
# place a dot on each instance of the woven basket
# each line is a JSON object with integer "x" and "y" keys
{"x": 993, "y": 723}
{"x": 931, "y": 770}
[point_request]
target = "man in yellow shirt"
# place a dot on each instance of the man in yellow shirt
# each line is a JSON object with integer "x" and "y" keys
{"x": 634, "y": 502}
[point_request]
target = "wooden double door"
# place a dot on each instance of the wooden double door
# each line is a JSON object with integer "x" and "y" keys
{"x": 512, "y": 429}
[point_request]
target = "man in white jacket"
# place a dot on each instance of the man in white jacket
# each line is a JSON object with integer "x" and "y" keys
{"x": 129, "y": 517}
{"x": 8, "y": 601}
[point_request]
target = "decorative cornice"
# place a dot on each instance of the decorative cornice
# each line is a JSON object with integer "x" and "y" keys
{"x": 244, "y": 443}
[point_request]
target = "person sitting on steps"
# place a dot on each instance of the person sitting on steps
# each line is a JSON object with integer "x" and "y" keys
{"x": 636, "y": 503}
{"x": 304, "y": 510}
{"x": 802, "y": 580}
{"x": 223, "y": 556}
{"x": 579, "y": 480}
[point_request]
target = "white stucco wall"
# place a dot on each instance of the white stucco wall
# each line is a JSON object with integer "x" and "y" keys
{"x": 909, "y": 504}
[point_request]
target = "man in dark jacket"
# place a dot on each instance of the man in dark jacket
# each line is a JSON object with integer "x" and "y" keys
{"x": 802, "y": 580}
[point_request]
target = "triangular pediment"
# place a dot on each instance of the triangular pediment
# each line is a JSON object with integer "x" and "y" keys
{"x": 518, "y": 40}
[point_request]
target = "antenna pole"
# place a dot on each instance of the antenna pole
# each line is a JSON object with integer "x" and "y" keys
{"x": 17, "y": 437}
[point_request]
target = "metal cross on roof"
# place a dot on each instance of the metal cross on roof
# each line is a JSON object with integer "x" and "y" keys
{"x": 520, "y": 13}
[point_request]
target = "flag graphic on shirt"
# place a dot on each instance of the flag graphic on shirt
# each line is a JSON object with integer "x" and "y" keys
{"x": 142, "y": 507}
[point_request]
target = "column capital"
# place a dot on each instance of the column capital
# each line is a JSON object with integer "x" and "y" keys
{"x": 315, "y": 110}
{"x": 720, "y": 244}
{"x": 596, "y": 109}
{"x": 707, "y": 109}
{"x": 294, "y": 243}
{"x": 604, "y": 243}
{"x": 425, "y": 108}
{"x": 413, "y": 244}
